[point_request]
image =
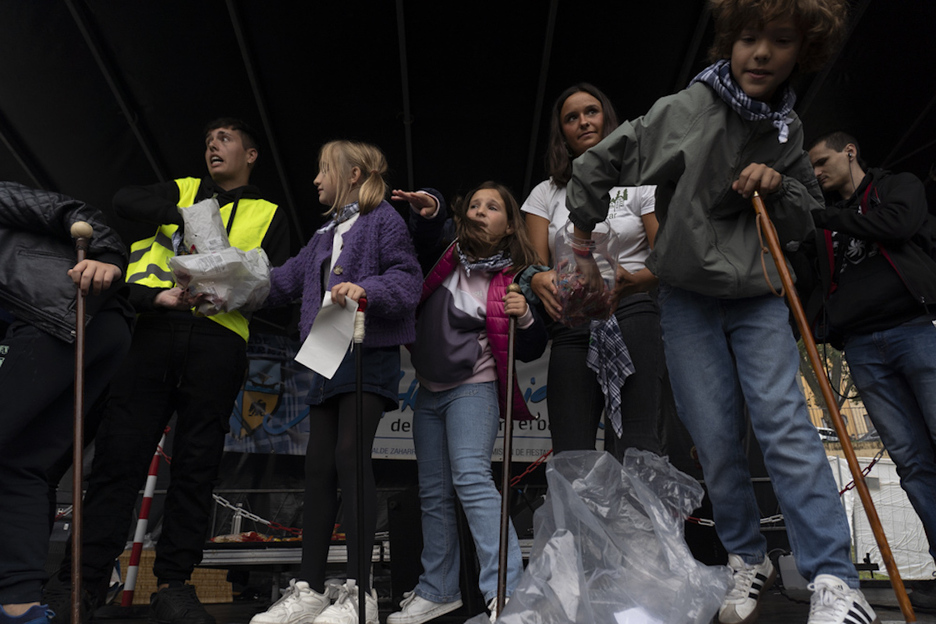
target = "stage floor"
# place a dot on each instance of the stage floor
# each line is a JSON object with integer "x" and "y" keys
{"x": 778, "y": 608}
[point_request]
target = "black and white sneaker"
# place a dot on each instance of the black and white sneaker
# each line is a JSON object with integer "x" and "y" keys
{"x": 742, "y": 604}
{"x": 834, "y": 602}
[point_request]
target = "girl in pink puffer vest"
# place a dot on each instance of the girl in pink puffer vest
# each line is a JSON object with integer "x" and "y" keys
{"x": 460, "y": 357}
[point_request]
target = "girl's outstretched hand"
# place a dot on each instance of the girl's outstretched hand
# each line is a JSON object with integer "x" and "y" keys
{"x": 544, "y": 286}
{"x": 515, "y": 304}
{"x": 346, "y": 290}
{"x": 423, "y": 203}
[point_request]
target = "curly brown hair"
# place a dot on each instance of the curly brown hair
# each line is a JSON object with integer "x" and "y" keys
{"x": 821, "y": 22}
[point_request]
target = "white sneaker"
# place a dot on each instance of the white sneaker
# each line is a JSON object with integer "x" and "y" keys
{"x": 492, "y": 607}
{"x": 299, "y": 605}
{"x": 345, "y": 608}
{"x": 742, "y": 604}
{"x": 416, "y": 609}
{"x": 834, "y": 602}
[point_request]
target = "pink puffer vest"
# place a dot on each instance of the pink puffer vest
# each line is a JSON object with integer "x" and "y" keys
{"x": 496, "y": 322}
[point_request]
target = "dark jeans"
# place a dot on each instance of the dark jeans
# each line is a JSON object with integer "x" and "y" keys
{"x": 190, "y": 366}
{"x": 37, "y": 377}
{"x": 574, "y": 396}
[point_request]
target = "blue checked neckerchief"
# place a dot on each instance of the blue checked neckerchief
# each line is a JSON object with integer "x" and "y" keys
{"x": 341, "y": 215}
{"x": 718, "y": 76}
{"x": 609, "y": 358}
{"x": 498, "y": 261}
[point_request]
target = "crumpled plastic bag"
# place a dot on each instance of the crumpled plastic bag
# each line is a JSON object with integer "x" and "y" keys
{"x": 204, "y": 227}
{"x": 230, "y": 278}
{"x": 609, "y": 547}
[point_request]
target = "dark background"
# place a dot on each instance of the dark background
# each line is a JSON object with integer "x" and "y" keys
{"x": 98, "y": 94}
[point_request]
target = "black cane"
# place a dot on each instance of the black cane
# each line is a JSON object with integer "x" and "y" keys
{"x": 773, "y": 245}
{"x": 82, "y": 234}
{"x": 508, "y": 453}
{"x": 364, "y": 550}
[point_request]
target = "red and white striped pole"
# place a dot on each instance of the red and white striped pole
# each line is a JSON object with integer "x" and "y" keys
{"x": 133, "y": 567}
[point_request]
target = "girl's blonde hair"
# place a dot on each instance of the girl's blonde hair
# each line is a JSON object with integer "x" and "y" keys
{"x": 821, "y": 22}
{"x": 339, "y": 158}
{"x": 475, "y": 242}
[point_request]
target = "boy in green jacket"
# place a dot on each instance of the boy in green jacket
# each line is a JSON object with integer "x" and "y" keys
{"x": 728, "y": 343}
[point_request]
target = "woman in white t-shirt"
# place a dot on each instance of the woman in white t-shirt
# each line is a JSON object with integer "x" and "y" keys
{"x": 581, "y": 117}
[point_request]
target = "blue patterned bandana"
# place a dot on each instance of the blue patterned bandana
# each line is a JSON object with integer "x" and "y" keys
{"x": 718, "y": 76}
{"x": 498, "y": 261}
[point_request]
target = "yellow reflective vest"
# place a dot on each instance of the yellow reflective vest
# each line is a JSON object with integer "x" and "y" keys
{"x": 149, "y": 258}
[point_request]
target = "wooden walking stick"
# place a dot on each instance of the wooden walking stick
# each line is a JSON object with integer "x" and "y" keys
{"x": 508, "y": 454}
{"x": 364, "y": 551}
{"x": 82, "y": 234}
{"x": 773, "y": 244}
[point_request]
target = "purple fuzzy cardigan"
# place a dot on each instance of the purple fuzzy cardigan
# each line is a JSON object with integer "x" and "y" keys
{"x": 378, "y": 256}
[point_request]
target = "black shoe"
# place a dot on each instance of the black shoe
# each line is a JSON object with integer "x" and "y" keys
{"x": 178, "y": 605}
{"x": 58, "y": 595}
{"x": 923, "y": 596}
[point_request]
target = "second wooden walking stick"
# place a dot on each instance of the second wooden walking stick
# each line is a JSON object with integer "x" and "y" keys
{"x": 508, "y": 453}
{"x": 364, "y": 550}
{"x": 773, "y": 245}
{"x": 82, "y": 234}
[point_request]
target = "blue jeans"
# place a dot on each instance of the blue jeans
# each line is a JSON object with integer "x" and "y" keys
{"x": 453, "y": 435}
{"x": 895, "y": 373}
{"x": 724, "y": 354}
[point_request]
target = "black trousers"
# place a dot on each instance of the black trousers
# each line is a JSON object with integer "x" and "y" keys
{"x": 574, "y": 396}
{"x": 189, "y": 366}
{"x": 37, "y": 376}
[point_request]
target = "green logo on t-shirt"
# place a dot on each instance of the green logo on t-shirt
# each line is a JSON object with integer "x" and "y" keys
{"x": 617, "y": 200}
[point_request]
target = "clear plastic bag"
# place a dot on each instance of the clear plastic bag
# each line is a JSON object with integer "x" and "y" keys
{"x": 609, "y": 547}
{"x": 586, "y": 271}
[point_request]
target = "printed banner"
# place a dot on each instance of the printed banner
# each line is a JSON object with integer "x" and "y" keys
{"x": 271, "y": 416}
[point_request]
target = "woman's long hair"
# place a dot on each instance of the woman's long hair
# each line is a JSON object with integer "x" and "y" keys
{"x": 558, "y": 158}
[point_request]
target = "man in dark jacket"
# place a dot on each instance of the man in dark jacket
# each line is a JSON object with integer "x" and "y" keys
{"x": 38, "y": 278}
{"x": 880, "y": 281}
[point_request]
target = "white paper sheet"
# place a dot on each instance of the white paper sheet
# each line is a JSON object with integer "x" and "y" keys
{"x": 328, "y": 340}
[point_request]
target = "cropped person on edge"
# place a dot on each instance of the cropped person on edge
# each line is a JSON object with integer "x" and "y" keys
{"x": 726, "y": 335}
{"x": 879, "y": 291}
{"x": 38, "y": 275}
